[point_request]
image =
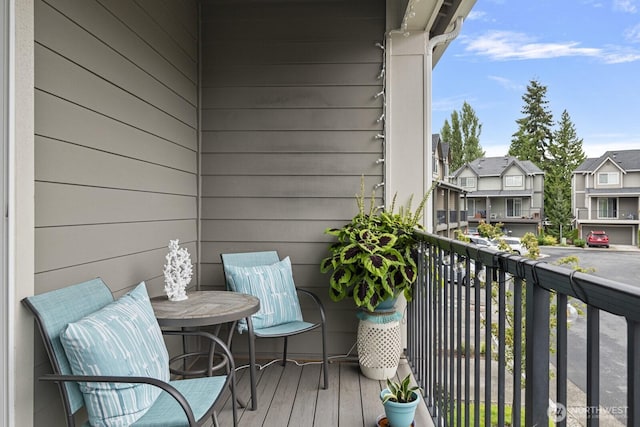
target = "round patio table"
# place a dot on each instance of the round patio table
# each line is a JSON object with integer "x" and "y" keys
{"x": 211, "y": 308}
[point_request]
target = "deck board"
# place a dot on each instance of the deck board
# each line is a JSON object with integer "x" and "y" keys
{"x": 292, "y": 396}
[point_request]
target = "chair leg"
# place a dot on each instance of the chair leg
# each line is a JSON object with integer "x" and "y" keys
{"x": 325, "y": 359}
{"x": 284, "y": 352}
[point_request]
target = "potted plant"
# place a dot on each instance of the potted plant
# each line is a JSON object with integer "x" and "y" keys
{"x": 373, "y": 262}
{"x": 374, "y": 258}
{"x": 400, "y": 400}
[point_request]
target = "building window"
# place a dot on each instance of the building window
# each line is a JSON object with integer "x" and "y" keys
{"x": 607, "y": 208}
{"x": 435, "y": 165}
{"x": 608, "y": 178}
{"x": 513, "y": 181}
{"x": 468, "y": 181}
{"x": 514, "y": 207}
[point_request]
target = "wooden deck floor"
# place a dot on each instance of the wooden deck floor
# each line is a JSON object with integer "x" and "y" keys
{"x": 290, "y": 396}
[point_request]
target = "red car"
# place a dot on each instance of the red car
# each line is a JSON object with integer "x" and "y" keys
{"x": 598, "y": 238}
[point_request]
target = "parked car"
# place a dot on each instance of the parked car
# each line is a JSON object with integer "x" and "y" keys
{"x": 473, "y": 231}
{"x": 482, "y": 241}
{"x": 514, "y": 243}
{"x": 598, "y": 238}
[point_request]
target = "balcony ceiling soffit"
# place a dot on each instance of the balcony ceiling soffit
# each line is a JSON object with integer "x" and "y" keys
{"x": 435, "y": 16}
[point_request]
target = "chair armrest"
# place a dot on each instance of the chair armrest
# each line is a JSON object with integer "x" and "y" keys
{"x": 316, "y": 300}
{"x": 131, "y": 380}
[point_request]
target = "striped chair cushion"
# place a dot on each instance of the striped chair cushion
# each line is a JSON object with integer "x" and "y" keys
{"x": 273, "y": 285}
{"x": 122, "y": 338}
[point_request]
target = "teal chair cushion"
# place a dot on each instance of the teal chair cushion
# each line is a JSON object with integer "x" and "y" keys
{"x": 121, "y": 339}
{"x": 273, "y": 285}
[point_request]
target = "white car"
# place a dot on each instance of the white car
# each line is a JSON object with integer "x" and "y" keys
{"x": 482, "y": 241}
{"x": 514, "y": 243}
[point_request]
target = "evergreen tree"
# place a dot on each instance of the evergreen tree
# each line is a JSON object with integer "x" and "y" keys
{"x": 566, "y": 152}
{"x": 534, "y": 135}
{"x": 463, "y": 136}
{"x": 565, "y": 155}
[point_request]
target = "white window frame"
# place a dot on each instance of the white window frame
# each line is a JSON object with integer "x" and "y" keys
{"x": 612, "y": 178}
{"x": 513, "y": 180}
{"x": 515, "y": 201}
{"x": 467, "y": 180}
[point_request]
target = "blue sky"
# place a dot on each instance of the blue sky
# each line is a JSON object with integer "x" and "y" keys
{"x": 586, "y": 52}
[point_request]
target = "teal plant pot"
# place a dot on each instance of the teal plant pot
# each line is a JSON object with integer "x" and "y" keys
{"x": 400, "y": 414}
{"x": 387, "y": 305}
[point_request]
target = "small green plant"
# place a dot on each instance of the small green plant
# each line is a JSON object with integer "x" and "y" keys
{"x": 401, "y": 392}
{"x": 547, "y": 240}
{"x": 579, "y": 243}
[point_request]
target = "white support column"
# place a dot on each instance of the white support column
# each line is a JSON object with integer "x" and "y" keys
{"x": 408, "y": 147}
{"x": 21, "y": 212}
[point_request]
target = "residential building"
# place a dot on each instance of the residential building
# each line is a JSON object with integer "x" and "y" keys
{"x": 504, "y": 190}
{"x": 449, "y": 201}
{"x": 606, "y": 196}
{"x": 231, "y": 125}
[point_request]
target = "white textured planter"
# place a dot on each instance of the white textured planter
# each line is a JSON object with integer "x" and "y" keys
{"x": 379, "y": 344}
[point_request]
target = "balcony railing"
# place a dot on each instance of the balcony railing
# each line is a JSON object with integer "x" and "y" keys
{"x": 622, "y": 215}
{"x": 453, "y": 317}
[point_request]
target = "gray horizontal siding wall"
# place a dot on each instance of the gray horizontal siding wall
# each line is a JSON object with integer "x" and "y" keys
{"x": 116, "y": 123}
{"x": 289, "y": 125}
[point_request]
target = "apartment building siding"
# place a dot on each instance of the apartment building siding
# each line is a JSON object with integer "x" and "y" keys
{"x": 606, "y": 196}
{"x": 289, "y": 124}
{"x": 115, "y": 148}
{"x": 504, "y": 190}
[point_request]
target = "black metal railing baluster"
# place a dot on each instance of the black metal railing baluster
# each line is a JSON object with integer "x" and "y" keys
{"x": 633, "y": 373}
{"x": 502, "y": 316}
{"x": 517, "y": 351}
{"x": 561, "y": 354}
{"x": 537, "y": 351}
{"x": 459, "y": 346}
{"x": 593, "y": 366}
{"x": 488, "y": 309}
{"x": 467, "y": 338}
{"x": 450, "y": 302}
{"x": 477, "y": 332}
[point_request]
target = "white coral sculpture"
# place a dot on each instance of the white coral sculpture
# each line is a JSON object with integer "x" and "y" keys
{"x": 177, "y": 272}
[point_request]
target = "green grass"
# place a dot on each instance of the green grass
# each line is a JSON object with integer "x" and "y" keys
{"x": 494, "y": 415}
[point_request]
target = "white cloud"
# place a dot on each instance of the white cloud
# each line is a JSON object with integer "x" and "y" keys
{"x": 508, "y": 45}
{"x": 628, "y": 6}
{"x": 477, "y": 16}
{"x": 449, "y": 104}
{"x": 507, "y": 83}
{"x": 633, "y": 34}
{"x": 595, "y": 145}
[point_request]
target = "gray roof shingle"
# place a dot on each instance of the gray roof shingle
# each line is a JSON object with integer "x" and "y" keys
{"x": 495, "y": 166}
{"x": 627, "y": 160}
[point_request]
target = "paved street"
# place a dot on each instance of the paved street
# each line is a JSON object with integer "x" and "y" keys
{"x": 621, "y": 264}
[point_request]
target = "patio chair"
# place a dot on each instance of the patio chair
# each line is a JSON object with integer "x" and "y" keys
{"x": 265, "y": 276}
{"x": 110, "y": 356}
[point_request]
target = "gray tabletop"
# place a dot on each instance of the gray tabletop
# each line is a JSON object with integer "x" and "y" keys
{"x": 204, "y": 308}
